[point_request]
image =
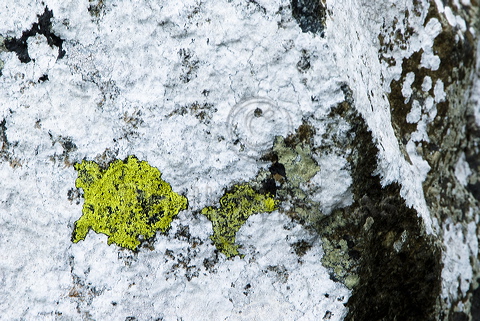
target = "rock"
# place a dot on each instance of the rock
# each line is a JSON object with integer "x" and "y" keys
{"x": 344, "y": 133}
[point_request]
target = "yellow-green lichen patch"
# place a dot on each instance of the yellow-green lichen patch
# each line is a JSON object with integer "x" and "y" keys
{"x": 125, "y": 201}
{"x": 235, "y": 208}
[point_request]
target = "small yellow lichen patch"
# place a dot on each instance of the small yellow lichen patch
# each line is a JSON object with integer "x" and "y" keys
{"x": 235, "y": 208}
{"x": 126, "y": 200}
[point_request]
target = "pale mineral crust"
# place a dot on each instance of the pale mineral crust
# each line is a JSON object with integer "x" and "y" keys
{"x": 326, "y": 155}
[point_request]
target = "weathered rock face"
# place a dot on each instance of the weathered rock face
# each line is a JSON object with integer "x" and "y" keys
{"x": 329, "y": 152}
{"x": 396, "y": 264}
{"x": 432, "y": 89}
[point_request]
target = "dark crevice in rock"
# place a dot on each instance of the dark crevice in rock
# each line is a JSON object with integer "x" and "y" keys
{"x": 43, "y": 27}
{"x": 310, "y": 15}
{"x": 475, "y": 310}
{"x": 452, "y": 131}
{"x": 397, "y": 267}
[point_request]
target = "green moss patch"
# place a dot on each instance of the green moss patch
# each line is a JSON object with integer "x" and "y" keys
{"x": 126, "y": 201}
{"x": 236, "y": 206}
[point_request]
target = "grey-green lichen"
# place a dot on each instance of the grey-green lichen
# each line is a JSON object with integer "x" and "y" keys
{"x": 293, "y": 155}
{"x": 127, "y": 201}
{"x": 299, "y": 165}
{"x": 339, "y": 252}
{"x": 337, "y": 258}
{"x": 236, "y": 206}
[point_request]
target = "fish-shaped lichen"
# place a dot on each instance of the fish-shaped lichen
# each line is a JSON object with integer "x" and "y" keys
{"x": 235, "y": 208}
{"x": 126, "y": 201}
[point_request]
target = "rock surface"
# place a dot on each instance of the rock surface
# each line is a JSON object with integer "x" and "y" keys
{"x": 359, "y": 120}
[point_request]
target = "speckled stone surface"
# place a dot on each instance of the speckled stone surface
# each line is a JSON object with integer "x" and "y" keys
{"x": 361, "y": 119}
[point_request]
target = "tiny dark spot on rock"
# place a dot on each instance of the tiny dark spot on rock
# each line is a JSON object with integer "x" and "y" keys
{"x": 333, "y": 277}
{"x": 278, "y": 168}
{"x": 183, "y": 232}
{"x": 43, "y": 78}
{"x": 301, "y": 247}
{"x": 209, "y": 263}
{"x": 354, "y": 254}
{"x": 74, "y": 194}
{"x": 304, "y": 63}
{"x": 269, "y": 186}
{"x": 310, "y": 15}
{"x": 327, "y": 316}
{"x": 247, "y": 289}
{"x": 68, "y": 145}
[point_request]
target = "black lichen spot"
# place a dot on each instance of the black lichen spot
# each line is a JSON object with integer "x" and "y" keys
{"x": 74, "y": 194}
{"x": 327, "y": 316}
{"x": 269, "y": 186}
{"x": 3, "y": 135}
{"x": 202, "y": 111}
{"x": 278, "y": 169}
{"x": 304, "y": 63}
{"x": 68, "y": 148}
{"x": 43, "y": 78}
{"x": 183, "y": 232}
{"x": 303, "y": 135}
{"x": 6, "y": 152}
{"x": 210, "y": 262}
{"x": 247, "y": 289}
{"x": 310, "y": 15}
{"x": 67, "y": 144}
{"x": 301, "y": 247}
{"x": 96, "y": 8}
{"x": 189, "y": 65}
{"x": 280, "y": 272}
{"x": 43, "y": 27}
